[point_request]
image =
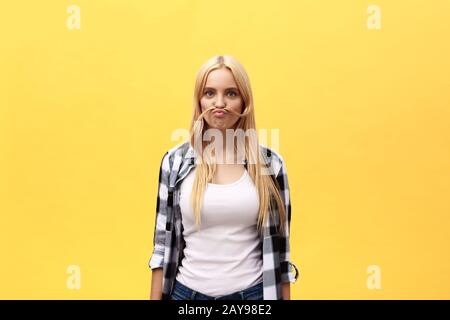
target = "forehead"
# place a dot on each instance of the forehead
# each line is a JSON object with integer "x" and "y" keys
{"x": 220, "y": 78}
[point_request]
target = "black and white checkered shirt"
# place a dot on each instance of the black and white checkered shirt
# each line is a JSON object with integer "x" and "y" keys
{"x": 168, "y": 238}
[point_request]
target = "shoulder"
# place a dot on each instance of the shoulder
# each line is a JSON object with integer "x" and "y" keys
{"x": 271, "y": 153}
{"x": 182, "y": 150}
{"x": 273, "y": 158}
{"x": 178, "y": 151}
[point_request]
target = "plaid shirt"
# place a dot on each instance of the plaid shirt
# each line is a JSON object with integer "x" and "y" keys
{"x": 168, "y": 239}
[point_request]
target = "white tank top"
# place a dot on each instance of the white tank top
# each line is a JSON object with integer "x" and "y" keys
{"x": 225, "y": 255}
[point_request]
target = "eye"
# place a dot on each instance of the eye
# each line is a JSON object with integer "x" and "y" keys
{"x": 232, "y": 93}
{"x": 207, "y": 93}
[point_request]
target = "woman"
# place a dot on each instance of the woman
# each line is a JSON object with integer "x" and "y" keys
{"x": 223, "y": 209}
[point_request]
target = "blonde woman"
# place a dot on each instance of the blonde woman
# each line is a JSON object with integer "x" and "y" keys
{"x": 223, "y": 212}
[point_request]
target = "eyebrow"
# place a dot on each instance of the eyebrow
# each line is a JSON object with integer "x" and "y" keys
{"x": 209, "y": 88}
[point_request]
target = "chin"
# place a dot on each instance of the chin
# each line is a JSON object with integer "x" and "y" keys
{"x": 219, "y": 125}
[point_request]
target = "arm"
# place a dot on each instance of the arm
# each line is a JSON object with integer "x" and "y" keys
{"x": 157, "y": 260}
{"x": 286, "y": 290}
{"x": 156, "y": 290}
{"x": 287, "y": 276}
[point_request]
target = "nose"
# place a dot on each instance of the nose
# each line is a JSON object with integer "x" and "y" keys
{"x": 220, "y": 103}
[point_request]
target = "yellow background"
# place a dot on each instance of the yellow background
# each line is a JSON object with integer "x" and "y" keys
{"x": 86, "y": 115}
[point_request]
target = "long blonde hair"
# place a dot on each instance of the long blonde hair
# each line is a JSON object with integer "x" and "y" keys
{"x": 269, "y": 195}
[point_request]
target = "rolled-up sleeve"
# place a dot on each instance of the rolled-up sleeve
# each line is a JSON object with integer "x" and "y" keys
{"x": 157, "y": 258}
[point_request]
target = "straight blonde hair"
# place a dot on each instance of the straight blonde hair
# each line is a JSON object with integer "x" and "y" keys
{"x": 268, "y": 192}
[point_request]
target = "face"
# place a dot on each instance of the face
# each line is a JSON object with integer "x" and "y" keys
{"x": 221, "y": 91}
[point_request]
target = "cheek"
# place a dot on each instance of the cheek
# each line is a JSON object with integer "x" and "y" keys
{"x": 237, "y": 105}
{"x": 204, "y": 104}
